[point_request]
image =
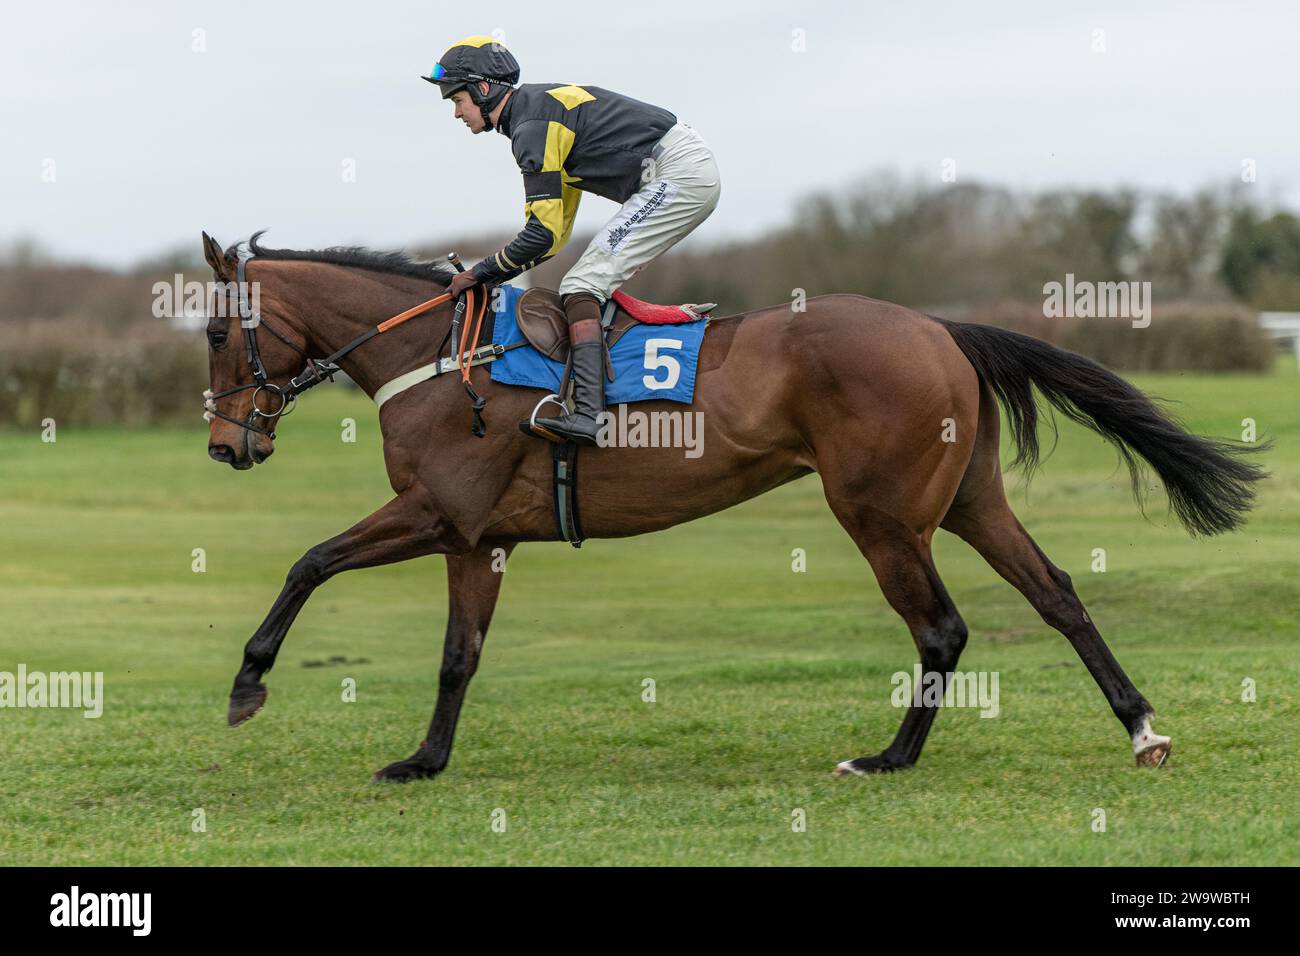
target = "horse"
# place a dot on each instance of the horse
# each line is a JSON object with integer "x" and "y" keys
{"x": 896, "y": 411}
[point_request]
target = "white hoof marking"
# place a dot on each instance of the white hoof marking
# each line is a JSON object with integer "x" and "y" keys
{"x": 1146, "y": 738}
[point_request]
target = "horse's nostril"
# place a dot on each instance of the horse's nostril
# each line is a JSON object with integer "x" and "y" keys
{"x": 221, "y": 453}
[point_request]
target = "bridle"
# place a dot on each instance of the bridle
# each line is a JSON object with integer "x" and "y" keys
{"x": 317, "y": 370}
{"x": 314, "y": 372}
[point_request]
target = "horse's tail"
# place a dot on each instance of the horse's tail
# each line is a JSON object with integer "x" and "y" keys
{"x": 1210, "y": 487}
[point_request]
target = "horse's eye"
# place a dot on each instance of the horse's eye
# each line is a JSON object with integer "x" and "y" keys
{"x": 217, "y": 339}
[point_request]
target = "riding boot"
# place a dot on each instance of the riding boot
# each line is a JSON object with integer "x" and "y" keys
{"x": 587, "y": 349}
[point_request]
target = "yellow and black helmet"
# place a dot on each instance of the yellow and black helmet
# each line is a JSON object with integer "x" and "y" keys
{"x": 473, "y": 59}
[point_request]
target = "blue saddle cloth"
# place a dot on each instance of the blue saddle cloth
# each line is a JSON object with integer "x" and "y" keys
{"x": 650, "y": 361}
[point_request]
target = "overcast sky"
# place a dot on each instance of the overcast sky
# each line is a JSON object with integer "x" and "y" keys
{"x": 152, "y": 132}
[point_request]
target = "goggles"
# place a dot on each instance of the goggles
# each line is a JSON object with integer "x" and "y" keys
{"x": 440, "y": 74}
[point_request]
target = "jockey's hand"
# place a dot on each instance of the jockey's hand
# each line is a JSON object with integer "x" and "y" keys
{"x": 460, "y": 282}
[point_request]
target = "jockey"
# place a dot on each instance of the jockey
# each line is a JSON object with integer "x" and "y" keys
{"x": 568, "y": 140}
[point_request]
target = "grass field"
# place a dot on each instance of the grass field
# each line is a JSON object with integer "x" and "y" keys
{"x": 764, "y": 678}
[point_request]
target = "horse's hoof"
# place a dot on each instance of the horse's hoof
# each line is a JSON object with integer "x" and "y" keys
{"x": 404, "y": 771}
{"x": 1155, "y": 755}
{"x": 245, "y": 704}
{"x": 866, "y": 766}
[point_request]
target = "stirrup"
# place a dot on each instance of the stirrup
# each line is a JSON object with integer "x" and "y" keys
{"x": 577, "y": 435}
{"x": 531, "y": 427}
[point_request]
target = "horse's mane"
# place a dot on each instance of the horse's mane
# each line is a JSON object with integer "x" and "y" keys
{"x": 357, "y": 257}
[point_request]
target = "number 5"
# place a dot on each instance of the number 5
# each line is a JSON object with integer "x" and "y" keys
{"x": 653, "y": 361}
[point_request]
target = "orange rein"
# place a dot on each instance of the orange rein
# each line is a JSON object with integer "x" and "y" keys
{"x": 412, "y": 312}
{"x": 464, "y": 361}
{"x": 468, "y": 354}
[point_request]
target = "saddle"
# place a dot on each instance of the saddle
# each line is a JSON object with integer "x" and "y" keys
{"x": 540, "y": 318}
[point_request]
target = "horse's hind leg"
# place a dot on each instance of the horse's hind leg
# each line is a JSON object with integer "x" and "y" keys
{"x": 901, "y": 561}
{"x": 985, "y": 521}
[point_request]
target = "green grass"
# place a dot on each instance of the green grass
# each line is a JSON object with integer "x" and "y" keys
{"x": 765, "y": 678}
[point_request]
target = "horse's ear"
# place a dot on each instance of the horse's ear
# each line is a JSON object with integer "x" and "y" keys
{"x": 216, "y": 258}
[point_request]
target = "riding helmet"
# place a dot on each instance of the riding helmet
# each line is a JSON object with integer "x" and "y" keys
{"x": 473, "y": 59}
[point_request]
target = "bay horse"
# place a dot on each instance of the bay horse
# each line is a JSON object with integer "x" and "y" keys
{"x": 897, "y": 412}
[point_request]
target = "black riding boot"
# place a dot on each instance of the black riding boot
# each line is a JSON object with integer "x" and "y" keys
{"x": 588, "y": 354}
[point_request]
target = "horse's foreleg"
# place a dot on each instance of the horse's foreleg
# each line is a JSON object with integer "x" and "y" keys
{"x": 409, "y": 526}
{"x": 474, "y": 582}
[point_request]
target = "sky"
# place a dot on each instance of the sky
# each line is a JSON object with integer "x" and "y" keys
{"x": 125, "y": 129}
